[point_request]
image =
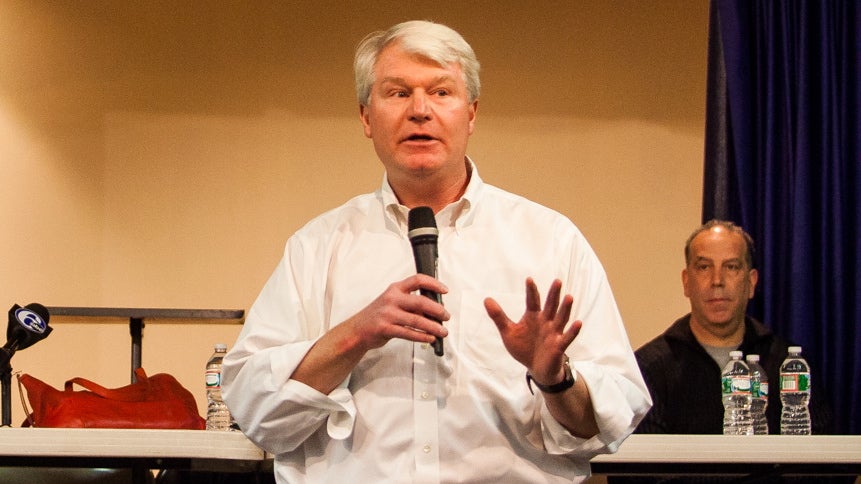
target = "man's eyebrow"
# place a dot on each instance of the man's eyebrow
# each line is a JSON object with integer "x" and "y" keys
{"x": 393, "y": 80}
{"x": 734, "y": 260}
{"x": 403, "y": 81}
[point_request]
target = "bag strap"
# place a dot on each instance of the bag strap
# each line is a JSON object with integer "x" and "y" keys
{"x": 27, "y": 411}
{"x": 130, "y": 393}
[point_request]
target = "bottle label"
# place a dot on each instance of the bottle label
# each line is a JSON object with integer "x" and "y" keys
{"x": 794, "y": 382}
{"x": 763, "y": 389}
{"x": 756, "y": 389}
{"x": 735, "y": 385}
{"x": 213, "y": 379}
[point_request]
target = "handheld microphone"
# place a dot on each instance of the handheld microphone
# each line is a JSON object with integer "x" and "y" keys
{"x": 423, "y": 236}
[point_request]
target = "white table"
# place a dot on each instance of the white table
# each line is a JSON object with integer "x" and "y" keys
{"x": 232, "y": 452}
{"x": 721, "y": 454}
{"x": 140, "y": 449}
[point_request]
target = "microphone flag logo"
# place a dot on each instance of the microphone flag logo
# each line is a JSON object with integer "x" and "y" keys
{"x": 30, "y": 320}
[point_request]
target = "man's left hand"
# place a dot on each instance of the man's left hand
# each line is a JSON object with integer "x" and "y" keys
{"x": 540, "y": 338}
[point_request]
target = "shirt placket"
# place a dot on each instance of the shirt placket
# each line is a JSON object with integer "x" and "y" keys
{"x": 426, "y": 421}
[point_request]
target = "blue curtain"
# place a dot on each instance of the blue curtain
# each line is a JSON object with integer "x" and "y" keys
{"x": 782, "y": 160}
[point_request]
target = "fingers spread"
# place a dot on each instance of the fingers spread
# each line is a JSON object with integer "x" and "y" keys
{"x": 564, "y": 313}
{"x": 533, "y": 297}
{"x": 552, "y": 303}
{"x": 494, "y": 310}
{"x": 571, "y": 333}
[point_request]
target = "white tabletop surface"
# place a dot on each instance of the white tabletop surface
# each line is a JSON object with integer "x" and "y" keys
{"x": 768, "y": 449}
{"x": 141, "y": 443}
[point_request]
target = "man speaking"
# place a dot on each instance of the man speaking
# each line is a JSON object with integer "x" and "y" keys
{"x": 338, "y": 370}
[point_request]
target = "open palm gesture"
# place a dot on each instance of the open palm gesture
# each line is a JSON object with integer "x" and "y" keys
{"x": 540, "y": 338}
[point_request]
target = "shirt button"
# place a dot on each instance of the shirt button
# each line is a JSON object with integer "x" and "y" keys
{"x": 425, "y": 346}
{"x": 426, "y": 449}
{"x": 425, "y": 395}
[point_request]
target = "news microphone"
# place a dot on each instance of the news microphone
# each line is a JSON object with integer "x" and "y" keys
{"x": 27, "y": 326}
{"x": 423, "y": 236}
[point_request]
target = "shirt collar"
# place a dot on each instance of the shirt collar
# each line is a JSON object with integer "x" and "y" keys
{"x": 754, "y": 331}
{"x": 457, "y": 214}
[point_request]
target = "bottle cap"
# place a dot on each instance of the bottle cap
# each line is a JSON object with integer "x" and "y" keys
{"x": 752, "y": 357}
{"x": 794, "y": 349}
{"x": 735, "y": 354}
{"x": 220, "y": 346}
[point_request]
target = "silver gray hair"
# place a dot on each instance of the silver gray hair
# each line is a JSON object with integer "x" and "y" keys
{"x": 433, "y": 41}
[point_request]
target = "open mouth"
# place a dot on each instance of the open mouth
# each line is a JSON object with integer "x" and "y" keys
{"x": 419, "y": 137}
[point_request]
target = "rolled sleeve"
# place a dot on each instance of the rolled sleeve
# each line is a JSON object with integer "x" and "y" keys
{"x": 618, "y": 404}
{"x": 265, "y": 399}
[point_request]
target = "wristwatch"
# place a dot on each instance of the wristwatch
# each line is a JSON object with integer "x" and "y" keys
{"x": 567, "y": 382}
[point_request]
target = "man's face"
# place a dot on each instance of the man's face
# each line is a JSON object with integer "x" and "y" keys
{"x": 718, "y": 281}
{"x": 419, "y": 116}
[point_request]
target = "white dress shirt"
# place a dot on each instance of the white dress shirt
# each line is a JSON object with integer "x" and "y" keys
{"x": 405, "y": 414}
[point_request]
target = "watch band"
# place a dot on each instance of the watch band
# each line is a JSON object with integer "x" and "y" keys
{"x": 567, "y": 382}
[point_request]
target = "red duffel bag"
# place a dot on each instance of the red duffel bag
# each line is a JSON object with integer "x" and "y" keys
{"x": 156, "y": 402}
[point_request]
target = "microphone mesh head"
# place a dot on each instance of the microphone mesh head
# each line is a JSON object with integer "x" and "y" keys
{"x": 421, "y": 217}
{"x": 40, "y": 310}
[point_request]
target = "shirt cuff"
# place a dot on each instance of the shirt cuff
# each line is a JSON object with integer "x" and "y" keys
{"x": 613, "y": 414}
{"x": 338, "y": 404}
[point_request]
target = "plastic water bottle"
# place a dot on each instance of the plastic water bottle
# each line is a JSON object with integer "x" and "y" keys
{"x": 735, "y": 381}
{"x": 794, "y": 394}
{"x": 759, "y": 395}
{"x": 217, "y": 415}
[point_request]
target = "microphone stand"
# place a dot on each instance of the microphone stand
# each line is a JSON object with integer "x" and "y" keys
{"x": 27, "y": 326}
{"x": 6, "y": 386}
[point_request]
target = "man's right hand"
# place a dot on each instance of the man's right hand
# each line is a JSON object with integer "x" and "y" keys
{"x": 399, "y": 312}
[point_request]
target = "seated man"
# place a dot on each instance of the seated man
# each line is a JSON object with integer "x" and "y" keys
{"x": 682, "y": 367}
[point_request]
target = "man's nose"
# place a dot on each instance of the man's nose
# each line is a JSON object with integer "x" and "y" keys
{"x": 717, "y": 277}
{"x": 419, "y": 107}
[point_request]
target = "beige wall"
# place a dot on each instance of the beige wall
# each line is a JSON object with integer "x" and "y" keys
{"x": 158, "y": 154}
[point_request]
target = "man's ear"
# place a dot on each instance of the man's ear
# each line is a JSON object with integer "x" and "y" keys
{"x": 685, "y": 282}
{"x": 753, "y": 275}
{"x": 473, "y": 109}
{"x": 364, "y": 117}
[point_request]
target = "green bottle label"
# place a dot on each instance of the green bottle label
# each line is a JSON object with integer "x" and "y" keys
{"x": 735, "y": 385}
{"x": 804, "y": 382}
{"x": 726, "y": 385}
{"x": 795, "y": 382}
{"x": 755, "y": 389}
